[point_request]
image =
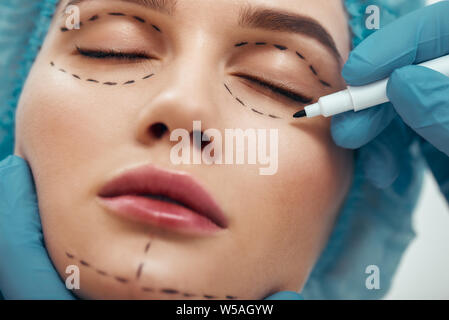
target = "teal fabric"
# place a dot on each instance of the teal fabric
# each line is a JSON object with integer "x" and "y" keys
{"x": 23, "y": 26}
{"x": 374, "y": 225}
{"x": 285, "y": 295}
{"x": 390, "y": 10}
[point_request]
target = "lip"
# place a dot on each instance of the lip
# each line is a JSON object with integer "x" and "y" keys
{"x": 162, "y": 198}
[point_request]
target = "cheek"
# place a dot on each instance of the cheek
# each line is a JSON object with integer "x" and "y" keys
{"x": 296, "y": 208}
{"x": 62, "y": 125}
{"x": 314, "y": 175}
{"x": 313, "y": 169}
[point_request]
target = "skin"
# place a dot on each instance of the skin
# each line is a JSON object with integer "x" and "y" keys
{"x": 76, "y": 136}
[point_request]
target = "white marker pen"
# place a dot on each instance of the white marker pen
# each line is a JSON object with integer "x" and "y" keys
{"x": 362, "y": 97}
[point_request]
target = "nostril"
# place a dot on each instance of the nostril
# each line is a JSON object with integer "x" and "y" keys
{"x": 201, "y": 136}
{"x": 158, "y": 129}
{"x": 205, "y": 137}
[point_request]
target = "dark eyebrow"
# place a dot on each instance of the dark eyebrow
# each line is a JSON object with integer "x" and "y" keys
{"x": 274, "y": 20}
{"x": 164, "y": 6}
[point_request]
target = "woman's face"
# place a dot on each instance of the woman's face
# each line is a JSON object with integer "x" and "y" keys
{"x": 96, "y": 104}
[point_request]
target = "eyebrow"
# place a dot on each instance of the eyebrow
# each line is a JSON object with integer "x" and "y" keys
{"x": 274, "y": 20}
{"x": 255, "y": 17}
{"x": 164, "y": 6}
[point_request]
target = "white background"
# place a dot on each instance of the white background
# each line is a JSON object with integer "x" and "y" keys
{"x": 424, "y": 271}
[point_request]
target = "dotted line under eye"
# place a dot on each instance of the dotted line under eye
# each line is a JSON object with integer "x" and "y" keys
{"x": 124, "y": 280}
{"x": 298, "y": 54}
{"x": 114, "y": 14}
{"x": 106, "y": 83}
{"x": 252, "y": 109}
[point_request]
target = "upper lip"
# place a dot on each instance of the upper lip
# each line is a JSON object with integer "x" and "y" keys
{"x": 176, "y": 185}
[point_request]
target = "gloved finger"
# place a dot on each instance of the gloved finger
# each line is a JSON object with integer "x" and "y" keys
{"x": 421, "y": 98}
{"x": 417, "y": 37}
{"x": 351, "y": 130}
{"x": 285, "y": 295}
{"x": 438, "y": 163}
{"x": 26, "y": 271}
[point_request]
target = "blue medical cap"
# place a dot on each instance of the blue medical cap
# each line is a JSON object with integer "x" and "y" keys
{"x": 390, "y": 10}
{"x": 374, "y": 225}
{"x": 23, "y": 26}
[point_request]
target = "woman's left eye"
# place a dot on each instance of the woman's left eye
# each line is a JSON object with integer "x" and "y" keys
{"x": 113, "y": 54}
{"x": 277, "y": 90}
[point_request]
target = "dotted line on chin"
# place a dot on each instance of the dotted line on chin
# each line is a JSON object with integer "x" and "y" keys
{"x": 124, "y": 281}
{"x": 142, "y": 264}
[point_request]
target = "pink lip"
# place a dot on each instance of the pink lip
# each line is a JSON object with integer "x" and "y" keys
{"x": 189, "y": 209}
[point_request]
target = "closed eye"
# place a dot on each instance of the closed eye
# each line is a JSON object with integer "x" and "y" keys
{"x": 277, "y": 89}
{"x": 113, "y": 54}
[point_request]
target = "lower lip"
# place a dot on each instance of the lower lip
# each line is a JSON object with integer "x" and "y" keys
{"x": 160, "y": 214}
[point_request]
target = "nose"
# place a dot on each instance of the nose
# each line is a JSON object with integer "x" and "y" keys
{"x": 180, "y": 93}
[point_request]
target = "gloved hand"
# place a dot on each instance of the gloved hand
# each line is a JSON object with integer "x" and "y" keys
{"x": 26, "y": 271}
{"x": 285, "y": 295}
{"x": 419, "y": 96}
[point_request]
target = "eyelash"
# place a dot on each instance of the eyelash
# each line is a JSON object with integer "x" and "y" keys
{"x": 134, "y": 56}
{"x": 277, "y": 89}
{"x": 113, "y": 54}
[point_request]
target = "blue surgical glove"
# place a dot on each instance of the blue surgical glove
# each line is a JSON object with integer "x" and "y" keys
{"x": 26, "y": 271}
{"x": 285, "y": 295}
{"x": 419, "y": 96}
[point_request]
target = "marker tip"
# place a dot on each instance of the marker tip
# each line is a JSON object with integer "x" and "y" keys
{"x": 300, "y": 114}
